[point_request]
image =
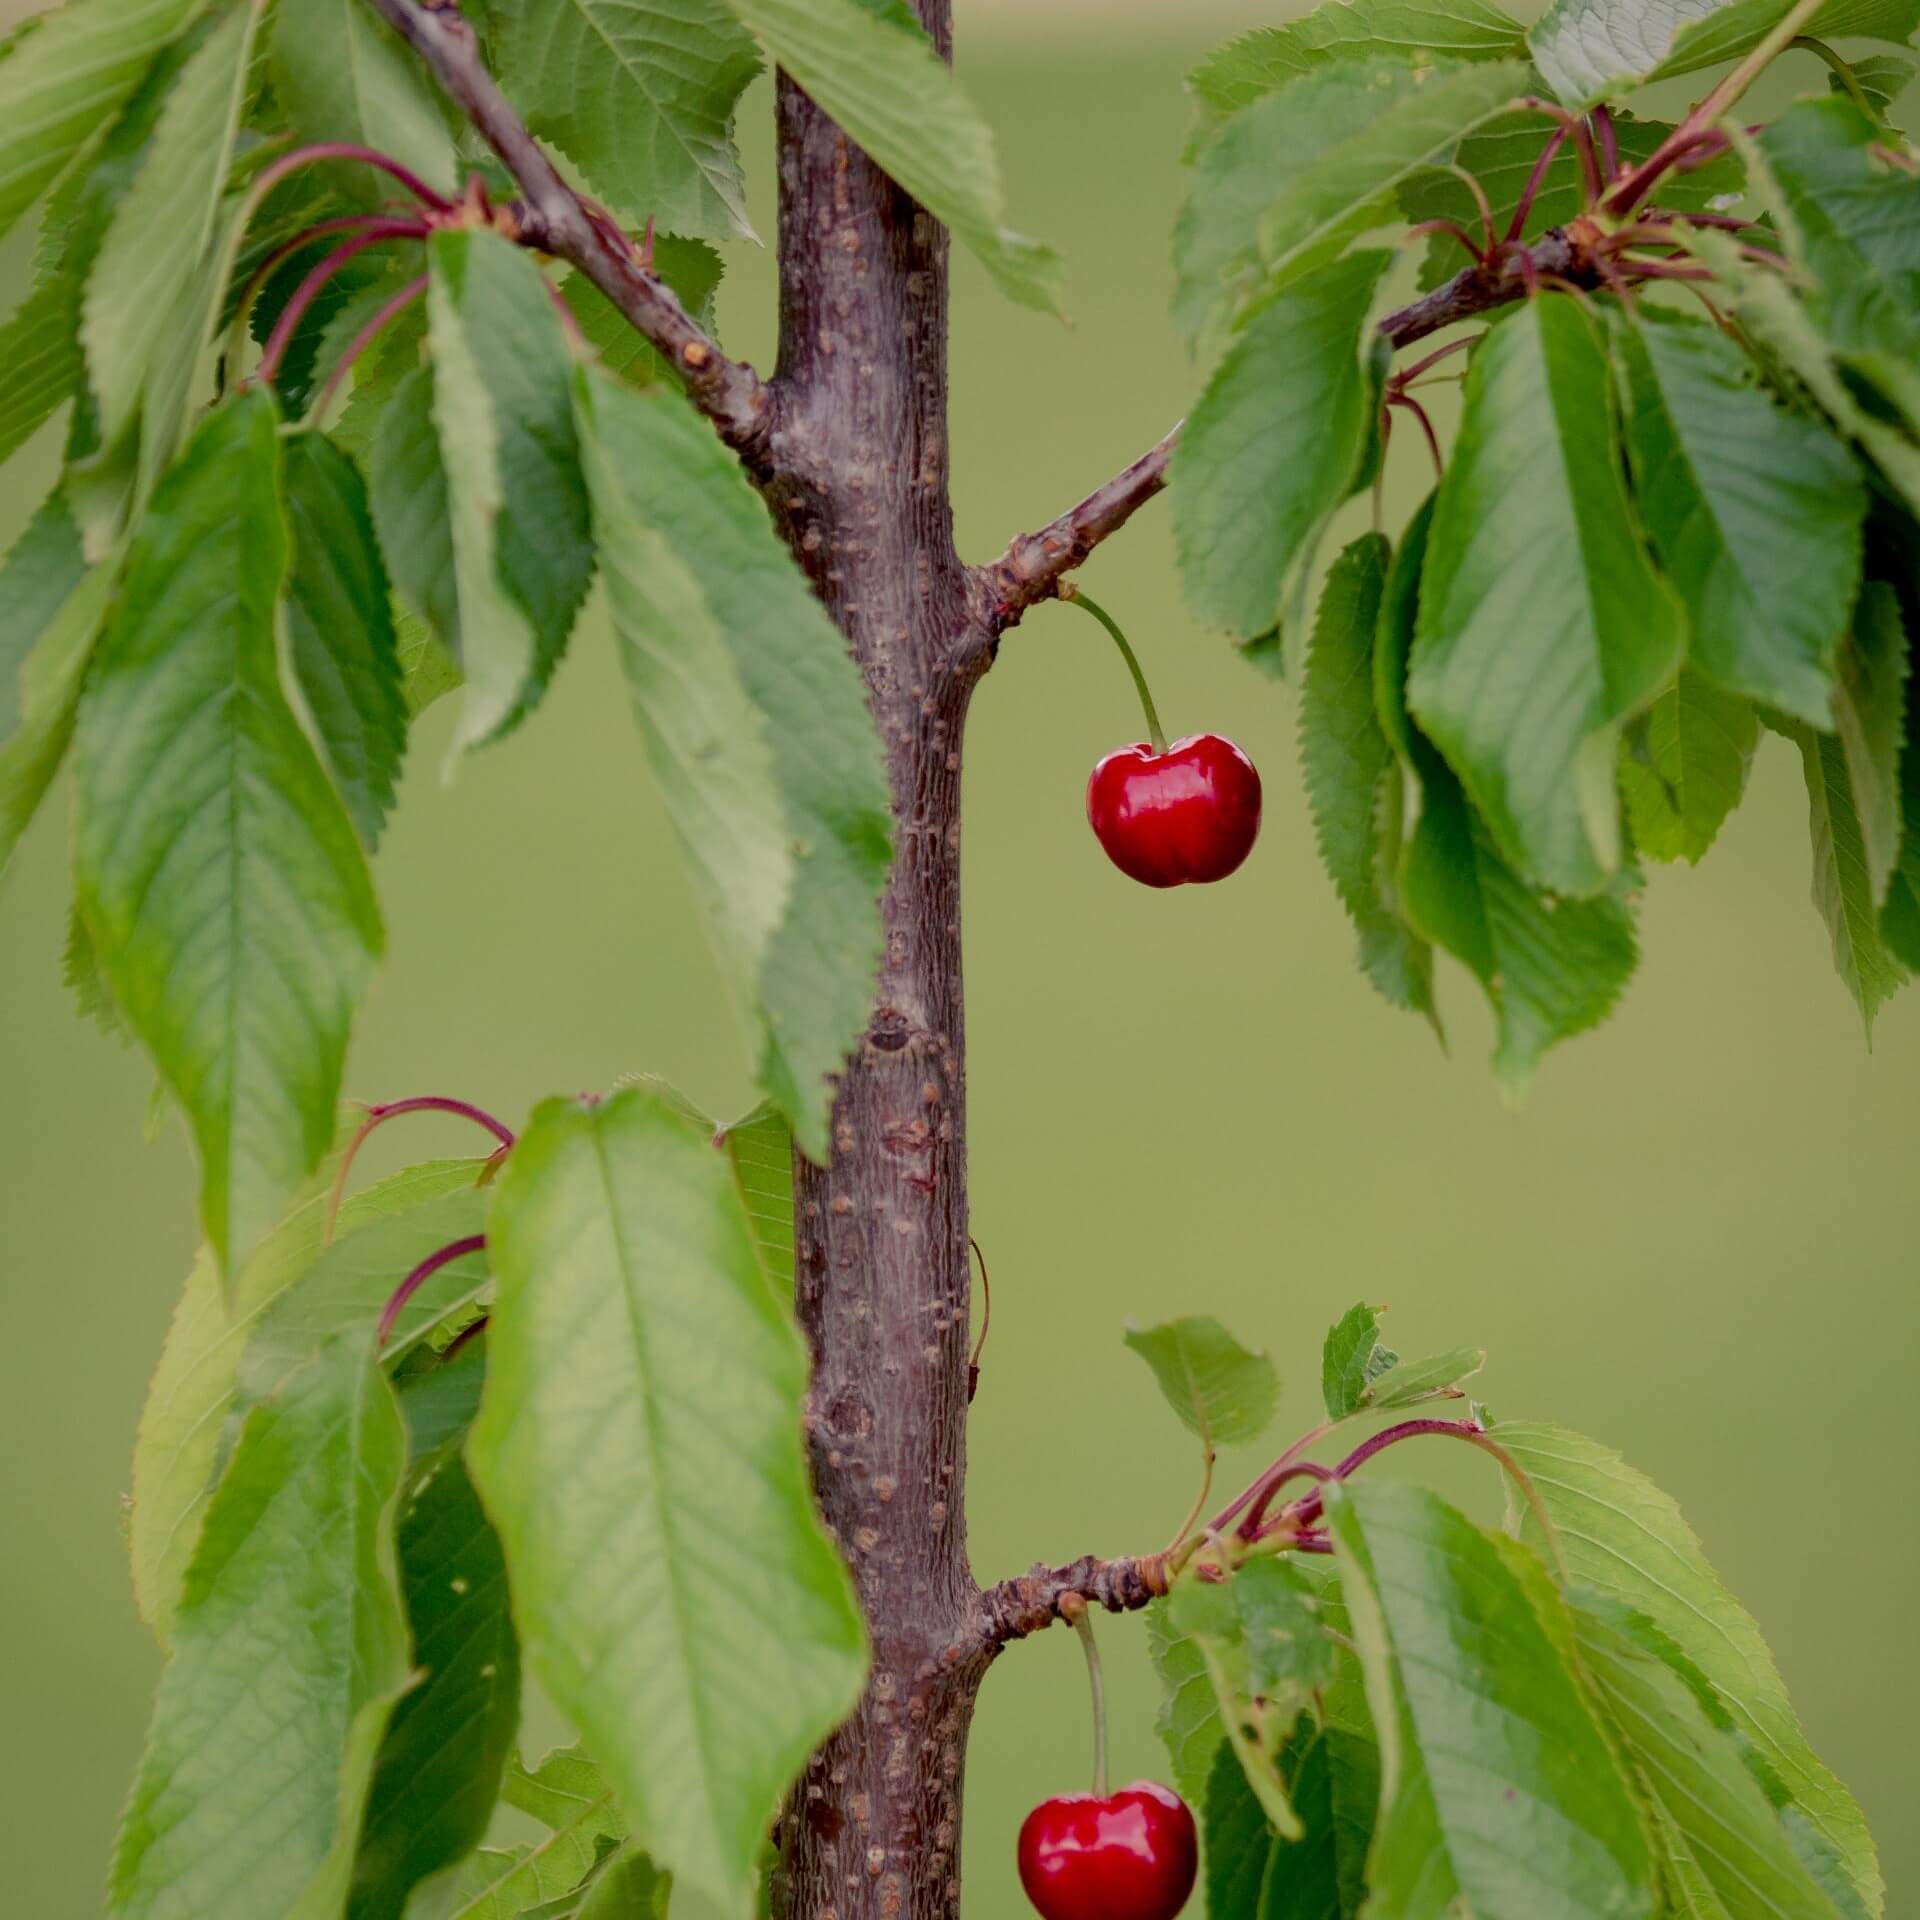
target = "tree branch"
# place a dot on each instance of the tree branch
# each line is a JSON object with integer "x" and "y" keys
{"x": 1016, "y": 1608}
{"x": 553, "y": 219}
{"x": 1034, "y": 564}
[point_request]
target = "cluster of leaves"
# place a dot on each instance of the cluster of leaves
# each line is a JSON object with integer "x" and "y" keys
{"x": 348, "y": 1551}
{"x": 1567, "y": 1718}
{"x": 1657, "y": 530}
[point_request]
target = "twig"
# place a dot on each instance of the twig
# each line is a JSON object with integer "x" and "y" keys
{"x": 1033, "y": 1602}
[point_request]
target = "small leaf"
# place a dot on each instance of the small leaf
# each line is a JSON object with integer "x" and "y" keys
{"x": 1219, "y": 1389}
{"x": 1542, "y": 625}
{"x": 1699, "y": 746}
{"x": 876, "y": 73}
{"x": 289, "y": 1649}
{"x": 756, "y": 724}
{"x": 1499, "y": 1794}
{"x": 1352, "y": 1360}
{"x": 1275, "y": 444}
{"x": 702, "y": 1664}
{"x": 1754, "y": 511}
{"x": 219, "y": 873}
{"x": 340, "y": 629}
{"x": 641, "y": 93}
{"x": 1882, "y": 77}
{"x": 1620, "y": 1534}
{"x": 1189, "y": 1718}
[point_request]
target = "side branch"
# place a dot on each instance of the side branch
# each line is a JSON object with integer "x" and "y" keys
{"x": 1016, "y": 1608}
{"x": 554, "y": 219}
{"x": 1034, "y": 564}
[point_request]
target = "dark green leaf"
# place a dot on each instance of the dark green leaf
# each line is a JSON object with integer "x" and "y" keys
{"x": 40, "y": 361}
{"x": 408, "y": 487}
{"x": 289, "y": 1650}
{"x": 702, "y": 1663}
{"x": 1287, "y": 1645}
{"x": 1499, "y": 1793}
{"x": 1754, "y": 511}
{"x": 1894, "y": 548}
{"x": 1542, "y": 623}
{"x": 757, "y": 726}
{"x": 1870, "y": 716}
{"x": 1275, "y": 444}
{"x": 1352, "y": 1359}
{"x": 1620, "y": 1534}
{"x": 1252, "y": 1874}
{"x": 219, "y": 873}
{"x": 1219, "y": 1389}
{"x": 340, "y": 629}
{"x": 1697, "y": 746}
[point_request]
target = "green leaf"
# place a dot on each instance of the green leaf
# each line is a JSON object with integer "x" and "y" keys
{"x": 1698, "y": 746}
{"x": 340, "y": 629}
{"x": 503, "y": 409}
{"x": 1894, "y": 554}
{"x": 1409, "y": 1381}
{"x": 1542, "y": 624}
{"x": 1283, "y": 187}
{"x": 340, "y": 73}
{"x": 1189, "y": 1718}
{"x": 757, "y": 727}
{"x": 877, "y": 74}
{"x": 1333, "y": 1777}
{"x": 760, "y": 1148}
{"x": 1882, "y": 77}
{"x": 1870, "y": 716}
{"x": 702, "y": 1663}
{"x": 1588, "y": 49}
{"x": 407, "y": 486}
{"x": 194, "y": 1389}
{"x": 1275, "y": 444}
{"x": 218, "y": 870}
{"x": 1219, "y": 1389}
{"x": 65, "y": 79}
{"x": 1499, "y": 1794}
{"x": 628, "y": 1887}
{"x": 1723, "y": 1852}
{"x": 440, "y": 1766}
{"x": 1352, "y": 1359}
{"x": 155, "y": 289}
{"x": 289, "y": 1650}
{"x": 40, "y": 362}
{"x": 1620, "y": 1534}
{"x": 1354, "y": 783}
{"x": 1238, "y": 73}
{"x": 1755, "y": 513}
{"x": 642, "y": 96}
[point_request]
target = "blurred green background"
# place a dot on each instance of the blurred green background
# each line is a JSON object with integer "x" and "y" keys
{"x": 1696, "y": 1242}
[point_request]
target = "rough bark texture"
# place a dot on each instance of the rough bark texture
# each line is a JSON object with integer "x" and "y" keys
{"x": 859, "y": 442}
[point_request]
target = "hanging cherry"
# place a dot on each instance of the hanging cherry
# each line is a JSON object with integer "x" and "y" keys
{"x": 1130, "y": 1855}
{"x": 1170, "y": 815}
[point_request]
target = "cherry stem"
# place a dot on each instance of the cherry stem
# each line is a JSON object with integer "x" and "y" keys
{"x": 310, "y": 289}
{"x": 1517, "y": 225}
{"x": 365, "y": 338}
{"x": 391, "y": 1110}
{"x": 1082, "y": 1619}
{"x": 444, "y": 1256}
{"x": 1076, "y": 596}
{"x": 270, "y": 177}
{"x": 986, "y": 1321}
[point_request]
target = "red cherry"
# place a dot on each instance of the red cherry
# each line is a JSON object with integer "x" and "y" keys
{"x": 1131, "y": 1855}
{"x": 1191, "y": 813}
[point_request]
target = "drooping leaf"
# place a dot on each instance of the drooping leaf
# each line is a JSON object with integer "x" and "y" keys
{"x": 340, "y": 73}
{"x": 1755, "y": 513}
{"x": 179, "y": 1445}
{"x": 756, "y": 724}
{"x": 1238, "y": 73}
{"x": 1352, "y": 1359}
{"x": 66, "y": 79}
{"x": 1542, "y": 624}
{"x": 502, "y": 400}
{"x": 1354, "y": 783}
{"x": 702, "y": 1664}
{"x": 1698, "y": 745}
{"x": 155, "y": 289}
{"x": 642, "y": 96}
{"x": 1282, "y": 188}
{"x": 1218, "y": 1388}
{"x": 1189, "y": 1718}
{"x": 289, "y": 1649}
{"x": 1499, "y": 1793}
{"x": 876, "y": 73}
{"x": 218, "y": 870}
{"x": 1722, "y": 1849}
{"x": 1870, "y": 717}
{"x": 1253, "y": 1874}
{"x": 340, "y": 629}
{"x": 40, "y": 362}
{"x": 407, "y": 486}
{"x": 438, "y": 1774}
{"x": 1620, "y": 1534}
{"x": 1275, "y": 444}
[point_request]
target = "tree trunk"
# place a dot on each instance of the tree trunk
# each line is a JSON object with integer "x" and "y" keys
{"x": 859, "y": 426}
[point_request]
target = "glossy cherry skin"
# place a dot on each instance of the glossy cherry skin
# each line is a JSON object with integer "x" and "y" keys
{"x": 1131, "y": 1856}
{"x": 1170, "y": 819}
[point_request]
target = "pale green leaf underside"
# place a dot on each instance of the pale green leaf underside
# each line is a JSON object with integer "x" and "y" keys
{"x": 1189, "y": 1717}
{"x": 1621, "y": 1534}
{"x": 1218, "y": 1388}
{"x": 701, "y": 1662}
